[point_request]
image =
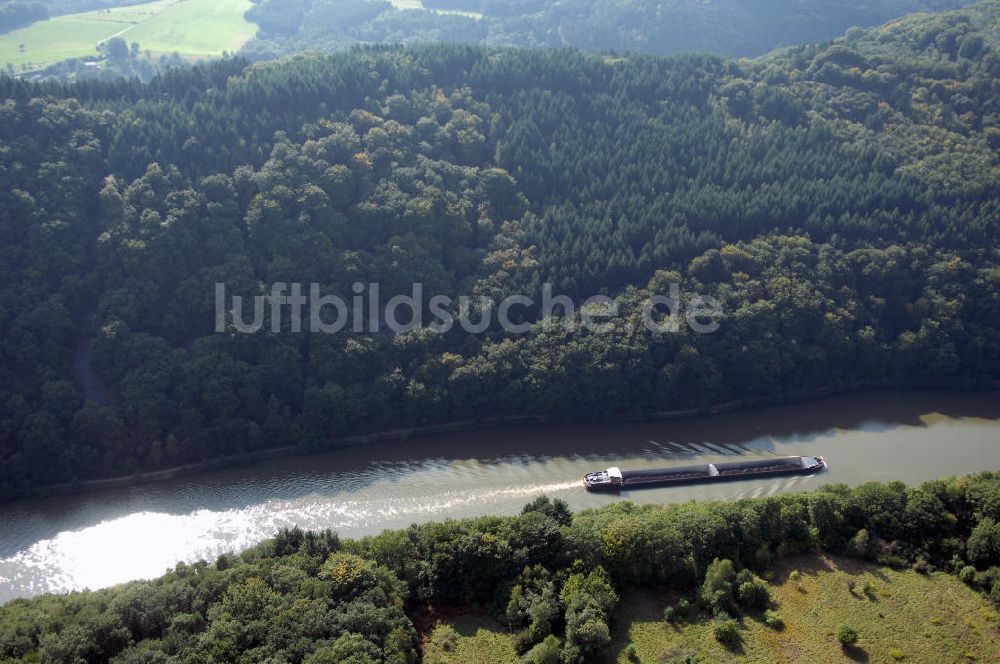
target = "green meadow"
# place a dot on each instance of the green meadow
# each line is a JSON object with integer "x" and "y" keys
{"x": 192, "y": 28}
{"x": 419, "y": 4}
{"x": 901, "y": 616}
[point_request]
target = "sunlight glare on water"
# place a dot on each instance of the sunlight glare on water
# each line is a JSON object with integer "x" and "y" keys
{"x": 100, "y": 539}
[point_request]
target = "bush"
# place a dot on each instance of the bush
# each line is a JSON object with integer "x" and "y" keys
{"x": 587, "y": 630}
{"x": 893, "y": 560}
{"x": 968, "y": 575}
{"x": 681, "y": 656}
{"x": 444, "y": 638}
{"x": 727, "y": 631}
{"x": 752, "y": 591}
{"x": 774, "y": 620}
{"x": 717, "y": 589}
{"x": 897, "y": 654}
{"x": 995, "y": 594}
{"x": 847, "y": 635}
{"x": 546, "y": 652}
{"x": 860, "y": 545}
{"x": 984, "y": 543}
{"x": 988, "y": 577}
{"x": 522, "y": 641}
{"x": 678, "y": 612}
{"x": 630, "y": 653}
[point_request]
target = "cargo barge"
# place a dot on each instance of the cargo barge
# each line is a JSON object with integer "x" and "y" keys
{"x": 615, "y": 479}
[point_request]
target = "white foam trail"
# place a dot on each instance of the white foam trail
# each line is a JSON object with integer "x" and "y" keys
{"x": 143, "y": 545}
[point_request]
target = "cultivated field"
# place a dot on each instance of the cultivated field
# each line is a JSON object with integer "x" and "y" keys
{"x": 192, "y": 28}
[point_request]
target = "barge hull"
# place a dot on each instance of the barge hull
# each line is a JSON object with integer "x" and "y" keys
{"x": 614, "y": 480}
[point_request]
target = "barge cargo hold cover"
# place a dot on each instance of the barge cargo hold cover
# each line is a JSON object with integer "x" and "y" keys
{"x": 615, "y": 479}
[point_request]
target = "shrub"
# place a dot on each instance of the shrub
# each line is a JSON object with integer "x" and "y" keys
{"x": 774, "y": 620}
{"x": 752, "y": 591}
{"x": 678, "y": 612}
{"x": 444, "y": 638}
{"x": 897, "y": 654}
{"x": 988, "y": 577}
{"x": 995, "y": 593}
{"x": 587, "y": 631}
{"x": 630, "y": 653}
{"x": 727, "y": 631}
{"x": 967, "y": 574}
{"x": 546, "y": 652}
{"x": 847, "y": 635}
{"x": 681, "y": 656}
{"x": 717, "y": 590}
{"x": 860, "y": 545}
{"x": 893, "y": 560}
{"x": 984, "y": 543}
{"x": 762, "y": 558}
{"x": 523, "y": 641}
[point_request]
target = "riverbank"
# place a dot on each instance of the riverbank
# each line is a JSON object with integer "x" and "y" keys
{"x": 60, "y": 543}
{"x": 402, "y": 434}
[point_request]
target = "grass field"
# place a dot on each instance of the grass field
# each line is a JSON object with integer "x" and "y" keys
{"x": 482, "y": 640}
{"x": 192, "y": 28}
{"x": 419, "y": 4}
{"x": 905, "y": 617}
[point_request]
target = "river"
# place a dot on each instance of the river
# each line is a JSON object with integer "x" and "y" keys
{"x": 102, "y": 538}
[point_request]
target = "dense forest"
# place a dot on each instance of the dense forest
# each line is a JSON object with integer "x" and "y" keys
{"x": 59, "y": 7}
{"x": 16, "y": 14}
{"x": 841, "y": 200}
{"x": 552, "y": 576}
{"x": 724, "y": 27}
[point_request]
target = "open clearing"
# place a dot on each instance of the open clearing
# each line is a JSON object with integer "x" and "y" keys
{"x": 192, "y": 28}
{"x": 904, "y": 616}
{"x": 419, "y": 4}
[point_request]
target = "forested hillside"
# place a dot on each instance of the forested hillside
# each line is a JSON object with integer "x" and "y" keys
{"x": 289, "y": 27}
{"x": 553, "y": 578}
{"x": 725, "y": 27}
{"x": 16, "y": 14}
{"x": 841, "y": 200}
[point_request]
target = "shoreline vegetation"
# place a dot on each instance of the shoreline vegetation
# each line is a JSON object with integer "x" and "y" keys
{"x": 397, "y": 435}
{"x": 605, "y": 584}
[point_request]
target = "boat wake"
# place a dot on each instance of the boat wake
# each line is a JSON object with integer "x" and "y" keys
{"x": 148, "y": 543}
